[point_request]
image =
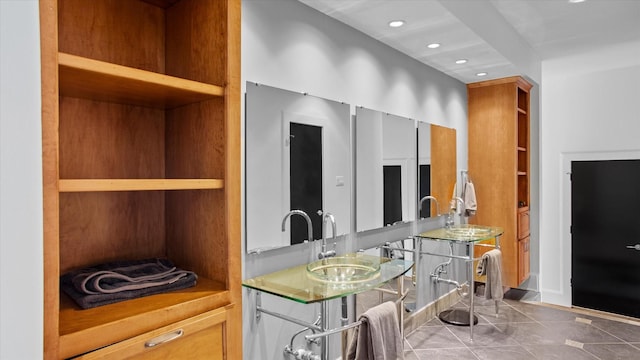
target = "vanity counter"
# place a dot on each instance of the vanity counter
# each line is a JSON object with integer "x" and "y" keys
{"x": 298, "y": 285}
{"x": 463, "y": 233}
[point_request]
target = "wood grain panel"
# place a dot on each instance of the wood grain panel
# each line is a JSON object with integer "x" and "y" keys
{"x": 493, "y": 167}
{"x": 129, "y": 33}
{"x": 98, "y": 80}
{"x": 101, "y": 227}
{"x": 196, "y": 49}
{"x": 104, "y": 140}
{"x": 196, "y": 235}
{"x": 87, "y": 330}
{"x": 196, "y": 141}
{"x": 443, "y": 165}
{"x": 201, "y": 337}
{"x": 84, "y": 185}
{"x": 49, "y": 88}
{"x": 232, "y": 191}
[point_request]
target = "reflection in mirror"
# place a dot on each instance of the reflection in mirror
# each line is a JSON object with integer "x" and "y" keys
{"x": 297, "y": 158}
{"x": 385, "y": 168}
{"x": 426, "y": 201}
{"x": 437, "y": 160}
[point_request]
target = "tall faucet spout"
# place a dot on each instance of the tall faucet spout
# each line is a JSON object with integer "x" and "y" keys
{"x": 324, "y": 253}
{"x": 432, "y": 198}
{"x": 460, "y": 202}
{"x": 460, "y": 207}
{"x": 305, "y": 216}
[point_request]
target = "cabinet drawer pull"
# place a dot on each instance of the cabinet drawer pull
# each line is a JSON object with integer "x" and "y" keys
{"x": 164, "y": 338}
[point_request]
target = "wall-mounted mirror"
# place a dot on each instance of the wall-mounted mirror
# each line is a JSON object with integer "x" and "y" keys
{"x": 385, "y": 169}
{"x": 297, "y": 158}
{"x": 436, "y": 168}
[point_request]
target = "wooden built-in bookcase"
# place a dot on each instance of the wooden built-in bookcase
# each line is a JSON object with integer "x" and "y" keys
{"x": 499, "y": 165}
{"x": 141, "y": 159}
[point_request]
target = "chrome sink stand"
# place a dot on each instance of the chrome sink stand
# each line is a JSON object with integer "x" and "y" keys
{"x": 468, "y": 258}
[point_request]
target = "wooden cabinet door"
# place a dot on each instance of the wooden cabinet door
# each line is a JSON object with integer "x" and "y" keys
{"x": 200, "y": 337}
{"x": 523, "y": 223}
{"x": 523, "y": 259}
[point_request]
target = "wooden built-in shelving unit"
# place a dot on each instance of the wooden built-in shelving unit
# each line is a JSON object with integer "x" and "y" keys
{"x": 141, "y": 159}
{"x": 499, "y": 164}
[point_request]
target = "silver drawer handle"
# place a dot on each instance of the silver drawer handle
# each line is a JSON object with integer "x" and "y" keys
{"x": 164, "y": 338}
{"x": 636, "y": 247}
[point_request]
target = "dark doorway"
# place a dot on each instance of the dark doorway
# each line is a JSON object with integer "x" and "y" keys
{"x": 605, "y": 210}
{"x": 392, "y": 194}
{"x": 305, "y": 179}
{"x": 425, "y": 189}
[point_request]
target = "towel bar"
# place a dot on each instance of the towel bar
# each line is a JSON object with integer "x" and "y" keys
{"x": 349, "y": 326}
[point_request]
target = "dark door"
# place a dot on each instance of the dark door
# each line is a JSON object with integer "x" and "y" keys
{"x": 605, "y": 212}
{"x": 392, "y": 194}
{"x": 306, "y": 179}
{"x": 425, "y": 189}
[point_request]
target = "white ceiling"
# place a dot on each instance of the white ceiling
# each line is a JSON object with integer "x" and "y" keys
{"x": 499, "y": 37}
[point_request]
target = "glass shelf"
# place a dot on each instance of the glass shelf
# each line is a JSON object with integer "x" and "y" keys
{"x": 296, "y": 283}
{"x": 463, "y": 233}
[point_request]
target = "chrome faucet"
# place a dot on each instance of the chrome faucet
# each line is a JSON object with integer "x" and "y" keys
{"x": 305, "y": 216}
{"x": 460, "y": 208}
{"x": 432, "y": 198}
{"x": 324, "y": 253}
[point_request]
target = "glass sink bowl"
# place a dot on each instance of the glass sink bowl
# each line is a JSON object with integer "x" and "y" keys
{"x": 344, "y": 269}
{"x": 467, "y": 231}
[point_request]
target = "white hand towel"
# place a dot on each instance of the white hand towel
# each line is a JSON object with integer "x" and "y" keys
{"x": 469, "y": 197}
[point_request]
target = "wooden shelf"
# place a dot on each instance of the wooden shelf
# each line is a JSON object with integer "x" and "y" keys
{"x": 83, "y": 185}
{"x": 84, "y": 330}
{"x": 522, "y": 111}
{"x": 522, "y": 173}
{"x": 520, "y": 148}
{"x": 98, "y": 80}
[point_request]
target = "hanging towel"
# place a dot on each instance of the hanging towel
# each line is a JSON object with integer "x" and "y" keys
{"x": 124, "y": 280}
{"x": 453, "y": 204}
{"x": 378, "y": 336}
{"x": 491, "y": 265}
{"x": 469, "y": 197}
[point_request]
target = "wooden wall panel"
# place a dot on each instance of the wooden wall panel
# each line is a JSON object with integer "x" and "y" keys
{"x": 113, "y": 31}
{"x": 443, "y": 166}
{"x": 196, "y": 49}
{"x": 107, "y": 226}
{"x": 110, "y": 141}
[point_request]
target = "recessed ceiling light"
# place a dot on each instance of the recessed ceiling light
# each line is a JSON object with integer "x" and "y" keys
{"x": 433, "y": 46}
{"x": 481, "y": 74}
{"x": 461, "y": 61}
{"x": 576, "y": 1}
{"x": 396, "y": 23}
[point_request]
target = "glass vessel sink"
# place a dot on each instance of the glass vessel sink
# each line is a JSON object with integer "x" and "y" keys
{"x": 344, "y": 269}
{"x": 468, "y": 231}
{"x": 463, "y": 233}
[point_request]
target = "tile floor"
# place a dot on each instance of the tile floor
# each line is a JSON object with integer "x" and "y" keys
{"x": 525, "y": 330}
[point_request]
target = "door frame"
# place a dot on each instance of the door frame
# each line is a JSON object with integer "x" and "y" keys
{"x": 287, "y": 118}
{"x": 565, "y": 219}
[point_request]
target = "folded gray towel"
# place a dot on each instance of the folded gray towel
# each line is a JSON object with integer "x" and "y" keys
{"x": 378, "y": 336}
{"x": 124, "y": 280}
{"x": 491, "y": 265}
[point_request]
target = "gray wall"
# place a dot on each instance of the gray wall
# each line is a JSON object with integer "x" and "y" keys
{"x": 21, "y": 296}
{"x": 590, "y": 112}
{"x": 288, "y": 45}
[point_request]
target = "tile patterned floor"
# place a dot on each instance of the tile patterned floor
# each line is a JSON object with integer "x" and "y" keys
{"x": 524, "y": 330}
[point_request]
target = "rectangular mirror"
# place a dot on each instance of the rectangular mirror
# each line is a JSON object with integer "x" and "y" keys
{"x": 385, "y": 169}
{"x": 297, "y": 158}
{"x": 436, "y": 168}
